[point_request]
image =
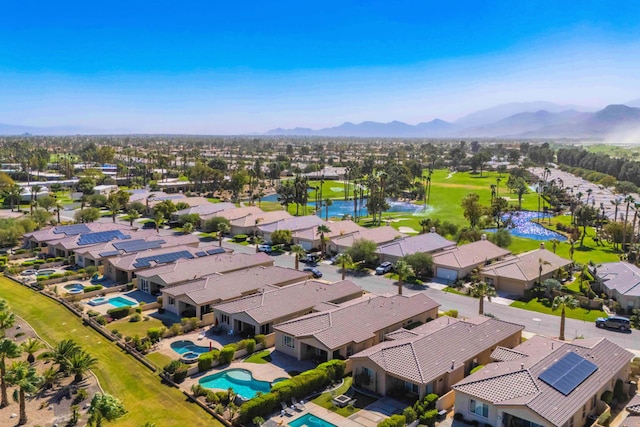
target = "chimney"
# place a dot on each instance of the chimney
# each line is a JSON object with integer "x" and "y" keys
{"x": 453, "y": 362}
{"x": 433, "y": 229}
{"x": 483, "y": 236}
{"x": 522, "y": 366}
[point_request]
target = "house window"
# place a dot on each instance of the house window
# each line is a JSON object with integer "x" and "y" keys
{"x": 593, "y": 401}
{"x": 349, "y": 350}
{"x": 479, "y": 408}
{"x": 172, "y": 301}
{"x": 265, "y": 329}
{"x": 411, "y": 387}
{"x": 224, "y": 318}
{"x": 288, "y": 341}
{"x": 144, "y": 285}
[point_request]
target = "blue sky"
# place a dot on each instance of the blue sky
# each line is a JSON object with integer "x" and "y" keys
{"x": 222, "y": 66}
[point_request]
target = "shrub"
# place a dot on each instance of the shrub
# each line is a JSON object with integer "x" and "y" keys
{"x": 476, "y": 369}
{"x": 27, "y": 264}
{"x": 226, "y": 354}
{"x": 451, "y": 313}
{"x": 92, "y": 288}
{"x": 175, "y": 329}
{"x": 38, "y": 262}
{"x": 55, "y": 276}
{"x": 334, "y": 368}
{"x": 618, "y": 391}
{"x": 155, "y": 334}
{"x": 429, "y": 417}
{"x": 135, "y": 318}
{"x": 251, "y": 346}
{"x": 101, "y": 320}
{"x": 189, "y": 323}
{"x": 206, "y": 360}
{"x": 92, "y": 313}
{"x": 430, "y": 400}
{"x": 119, "y": 312}
{"x": 409, "y": 414}
{"x": 240, "y": 237}
{"x": 607, "y": 397}
{"x": 177, "y": 370}
{"x": 138, "y": 310}
{"x": 259, "y": 339}
{"x": 197, "y": 390}
{"x": 393, "y": 421}
{"x": 604, "y": 419}
{"x": 69, "y": 273}
{"x": 50, "y": 260}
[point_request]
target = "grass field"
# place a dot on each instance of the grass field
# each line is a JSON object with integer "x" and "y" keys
{"x": 545, "y": 307}
{"x": 132, "y": 329}
{"x": 260, "y": 358}
{"x": 145, "y": 398}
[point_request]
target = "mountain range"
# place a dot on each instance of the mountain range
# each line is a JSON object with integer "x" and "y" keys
{"x": 516, "y": 120}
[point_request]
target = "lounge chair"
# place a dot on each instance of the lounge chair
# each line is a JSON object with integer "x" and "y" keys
{"x": 286, "y": 409}
{"x": 201, "y": 335}
{"x": 299, "y": 406}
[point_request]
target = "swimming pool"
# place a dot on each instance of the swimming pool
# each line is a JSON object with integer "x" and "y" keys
{"x": 119, "y": 302}
{"x": 310, "y": 420}
{"x": 98, "y": 301}
{"x": 340, "y": 208}
{"x": 240, "y": 380}
{"x": 186, "y": 346}
{"x": 74, "y": 288}
{"x": 521, "y": 226}
{"x": 45, "y": 272}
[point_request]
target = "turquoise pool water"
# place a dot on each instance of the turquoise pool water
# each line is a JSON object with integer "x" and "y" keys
{"x": 340, "y": 208}
{"x": 240, "y": 380}
{"x": 74, "y": 288}
{"x": 521, "y": 226}
{"x": 186, "y": 346}
{"x": 45, "y": 272}
{"x": 310, "y": 421}
{"x": 121, "y": 302}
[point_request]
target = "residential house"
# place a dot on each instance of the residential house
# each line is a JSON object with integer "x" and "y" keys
{"x": 124, "y": 268}
{"x": 310, "y": 239}
{"x": 49, "y": 235}
{"x": 203, "y": 210}
{"x": 516, "y": 274}
{"x": 196, "y": 298}
{"x": 433, "y": 356}
{"x": 258, "y": 313}
{"x": 293, "y": 224}
{"x": 141, "y": 240}
{"x": 378, "y": 235}
{"x": 248, "y": 224}
{"x": 345, "y": 330}
{"x": 429, "y": 243}
{"x": 620, "y": 281}
{"x": 153, "y": 280}
{"x": 543, "y": 382}
{"x": 104, "y": 190}
{"x": 460, "y": 261}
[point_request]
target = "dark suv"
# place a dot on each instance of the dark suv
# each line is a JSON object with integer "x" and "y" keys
{"x": 614, "y": 322}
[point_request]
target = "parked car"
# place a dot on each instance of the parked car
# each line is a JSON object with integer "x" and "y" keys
{"x": 149, "y": 225}
{"x": 384, "y": 268}
{"x": 314, "y": 271}
{"x": 311, "y": 258}
{"x": 614, "y": 322}
{"x": 265, "y": 248}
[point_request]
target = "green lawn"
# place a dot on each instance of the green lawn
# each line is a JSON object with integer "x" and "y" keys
{"x": 132, "y": 329}
{"x": 576, "y": 313}
{"x": 159, "y": 359}
{"x": 144, "y": 396}
{"x": 260, "y": 358}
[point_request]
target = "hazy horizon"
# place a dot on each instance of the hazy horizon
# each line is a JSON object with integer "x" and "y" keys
{"x": 203, "y": 68}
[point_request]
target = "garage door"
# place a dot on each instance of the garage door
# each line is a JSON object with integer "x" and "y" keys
{"x": 510, "y": 288}
{"x": 446, "y": 274}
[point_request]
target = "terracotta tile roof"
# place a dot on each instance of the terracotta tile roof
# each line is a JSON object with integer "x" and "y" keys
{"x": 378, "y": 235}
{"x": 633, "y": 407}
{"x": 148, "y": 236}
{"x": 187, "y": 269}
{"x": 261, "y": 217}
{"x": 435, "y": 350}
{"x": 236, "y": 213}
{"x": 270, "y": 305}
{"x": 469, "y": 255}
{"x": 215, "y": 288}
{"x": 205, "y": 209}
{"x": 525, "y": 267}
{"x": 295, "y": 223}
{"x": 503, "y": 354}
{"x": 337, "y": 327}
{"x": 338, "y": 228}
{"x": 428, "y": 242}
{"x": 58, "y": 232}
{"x": 497, "y": 384}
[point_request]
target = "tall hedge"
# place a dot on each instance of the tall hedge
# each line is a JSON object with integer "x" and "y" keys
{"x": 393, "y": 421}
{"x": 119, "y": 312}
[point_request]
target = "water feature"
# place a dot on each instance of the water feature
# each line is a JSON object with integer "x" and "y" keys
{"x": 340, "y": 208}
{"x": 522, "y": 226}
{"x": 74, "y": 288}
{"x": 240, "y": 380}
{"x": 310, "y": 420}
{"x": 185, "y": 346}
{"x": 45, "y": 272}
{"x": 119, "y": 302}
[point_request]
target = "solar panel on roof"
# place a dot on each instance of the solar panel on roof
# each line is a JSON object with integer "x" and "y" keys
{"x": 568, "y": 373}
{"x": 109, "y": 253}
{"x": 201, "y": 253}
{"x": 162, "y": 258}
{"x": 215, "y": 251}
{"x": 101, "y": 237}
{"x": 138, "y": 245}
{"x": 72, "y": 230}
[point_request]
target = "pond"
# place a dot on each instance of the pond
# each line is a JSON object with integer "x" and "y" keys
{"x": 521, "y": 226}
{"x": 340, "y": 208}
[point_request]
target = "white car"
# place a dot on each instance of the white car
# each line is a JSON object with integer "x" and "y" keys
{"x": 265, "y": 248}
{"x": 384, "y": 268}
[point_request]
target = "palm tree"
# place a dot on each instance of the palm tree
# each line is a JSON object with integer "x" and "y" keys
{"x": 562, "y": 302}
{"x": 23, "y": 376}
{"x": 425, "y": 224}
{"x": 158, "y": 219}
{"x": 8, "y": 350}
{"x": 327, "y": 202}
{"x": 554, "y": 243}
{"x": 616, "y": 202}
{"x": 541, "y": 263}
{"x": 80, "y": 363}
{"x": 222, "y": 228}
{"x": 344, "y": 260}
{"x": 35, "y": 189}
{"x": 298, "y": 251}
{"x": 321, "y": 231}
{"x": 258, "y": 240}
{"x": 31, "y": 346}
{"x": 50, "y": 377}
{"x": 483, "y": 290}
{"x": 187, "y": 228}
{"x": 105, "y": 407}
{"x": 7, "y": 320}
{"x": 58, "y": 208}
{"x": 133, "y": 215}
{"x": 61, "y": 354}
{"x": 114, "y": 206}
{"x": 629, "y": 200}
{"x": 404, "y": 271}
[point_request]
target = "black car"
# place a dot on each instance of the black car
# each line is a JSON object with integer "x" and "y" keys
{"x": 314, "y": 271}
{"x": 148, "y": 225}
